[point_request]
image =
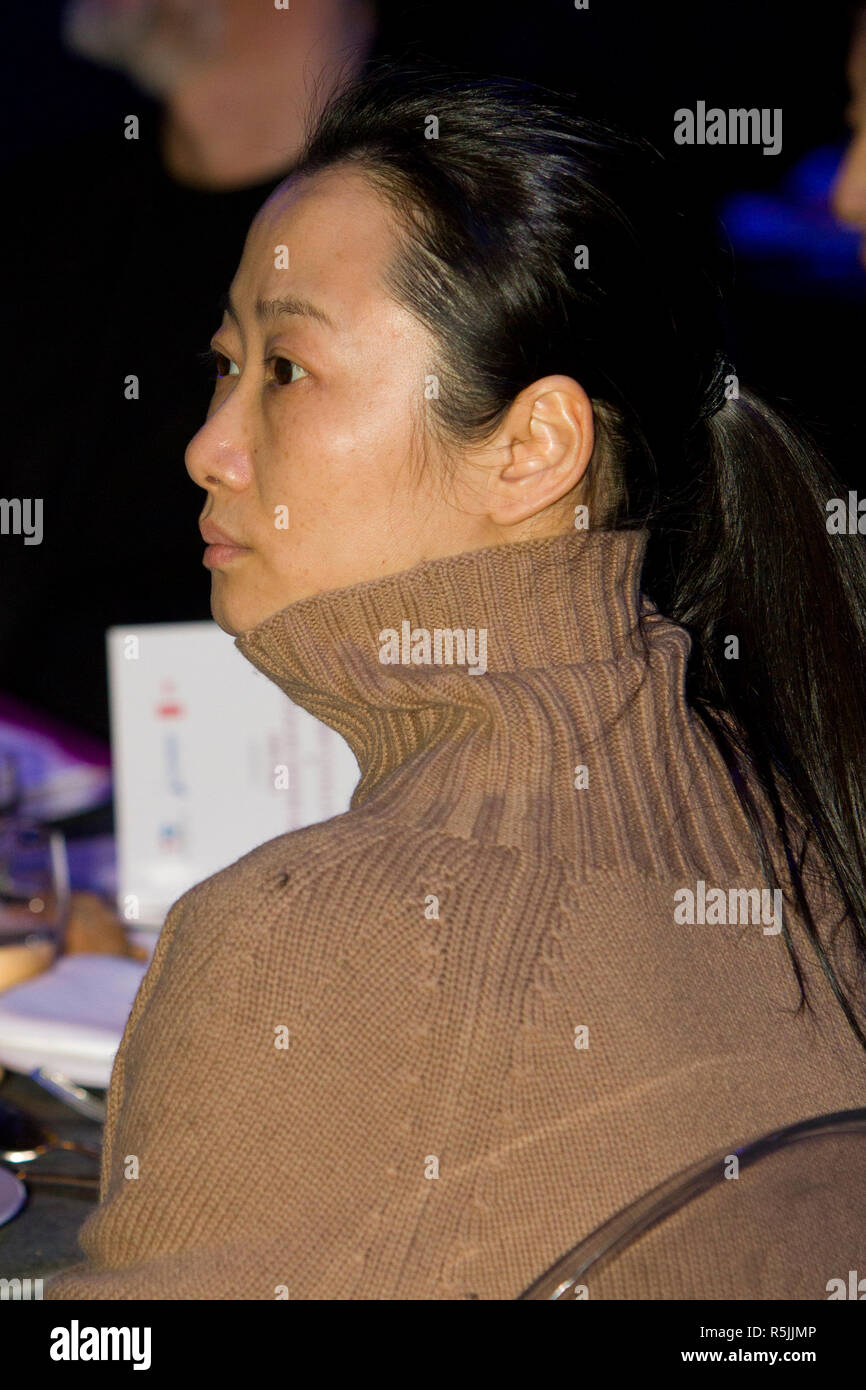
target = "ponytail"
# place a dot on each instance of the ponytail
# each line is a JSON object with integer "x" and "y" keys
{"x": 752, "y": 559}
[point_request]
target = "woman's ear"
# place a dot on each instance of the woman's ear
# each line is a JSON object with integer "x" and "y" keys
{"x": 543, "y": 449}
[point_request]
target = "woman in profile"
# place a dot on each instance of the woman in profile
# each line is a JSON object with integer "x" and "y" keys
{"x": 485, "y": 495}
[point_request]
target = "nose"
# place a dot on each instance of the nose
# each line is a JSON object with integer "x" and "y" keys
{"x": 220, "y": 454}
{"x": 848, "y": 194}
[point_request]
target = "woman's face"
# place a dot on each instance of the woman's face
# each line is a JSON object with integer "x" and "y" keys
{"x": 307, "y": 450}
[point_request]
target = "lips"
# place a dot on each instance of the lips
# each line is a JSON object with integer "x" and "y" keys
{"x": 212, "y": 534}
{"x": 222, "y": 549}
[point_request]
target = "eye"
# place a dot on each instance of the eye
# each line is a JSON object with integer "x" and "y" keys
{"x": 285, "y": 370}
{"x": 218, "y": 364}
{"x": 225, "y": 366}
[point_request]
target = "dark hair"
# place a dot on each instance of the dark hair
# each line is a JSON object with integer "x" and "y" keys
{"x": 494, "y": 204}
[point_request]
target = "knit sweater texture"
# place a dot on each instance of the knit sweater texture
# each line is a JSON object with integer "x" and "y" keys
{"x": 420, "y": 1050}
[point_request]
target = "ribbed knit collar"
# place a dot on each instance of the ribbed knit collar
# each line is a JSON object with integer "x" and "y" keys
{"x": 569, "y": 681}
{"x": 560, "y": 601}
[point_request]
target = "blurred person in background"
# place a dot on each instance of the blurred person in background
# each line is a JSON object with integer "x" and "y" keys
{"x": 798, "y": 299}
{"x": 849, "y": 188}
{"x": 234, "y": 75}
{"x": 115, "y": 237}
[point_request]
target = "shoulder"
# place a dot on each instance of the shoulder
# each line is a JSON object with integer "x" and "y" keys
{"x": 353, "y": 868}
{"x": 328, "y": 866}
{"x": 384, "y": 853}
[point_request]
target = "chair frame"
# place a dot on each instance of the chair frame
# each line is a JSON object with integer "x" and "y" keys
{"x": 633, "y": 1221}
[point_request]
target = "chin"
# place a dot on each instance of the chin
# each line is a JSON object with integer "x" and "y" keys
{"x": 238, "y": 617}
{"x": 223, "y": 622}
{"x": 226, "y": 626}
{"x": 221, "y": 616}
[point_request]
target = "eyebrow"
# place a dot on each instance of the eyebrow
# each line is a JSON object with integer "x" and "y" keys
{"x": 269, "y": 309}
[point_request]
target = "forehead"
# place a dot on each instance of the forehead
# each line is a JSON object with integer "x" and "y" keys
{"x": 340, "y": 235}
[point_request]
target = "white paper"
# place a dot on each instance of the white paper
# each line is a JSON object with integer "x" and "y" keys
{"x": 202, "y": 746}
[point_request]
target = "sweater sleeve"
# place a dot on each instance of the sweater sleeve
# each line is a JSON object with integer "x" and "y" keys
{"x": 273, "y": 1126}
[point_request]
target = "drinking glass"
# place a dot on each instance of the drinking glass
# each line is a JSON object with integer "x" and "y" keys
{"x": 34, "y": 885}
{"x": 10, "y": 785}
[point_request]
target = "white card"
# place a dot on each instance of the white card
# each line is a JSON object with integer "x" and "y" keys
{"x": 209, "y": 758}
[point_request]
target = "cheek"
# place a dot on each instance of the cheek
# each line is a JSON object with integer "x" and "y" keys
{"x": 374, "y": 430}
{"x": 338, "y": 447}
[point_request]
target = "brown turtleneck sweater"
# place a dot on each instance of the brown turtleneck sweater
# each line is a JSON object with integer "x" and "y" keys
{"x": 420, "y": 1050}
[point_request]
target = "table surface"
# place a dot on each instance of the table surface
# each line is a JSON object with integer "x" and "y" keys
{"x": 43, "y": 1238}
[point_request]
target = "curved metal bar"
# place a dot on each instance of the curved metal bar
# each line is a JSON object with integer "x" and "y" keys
{"x": 647, "y": 1211}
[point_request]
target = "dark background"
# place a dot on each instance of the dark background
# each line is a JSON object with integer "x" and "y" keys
{"x": 111, "y": 269}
